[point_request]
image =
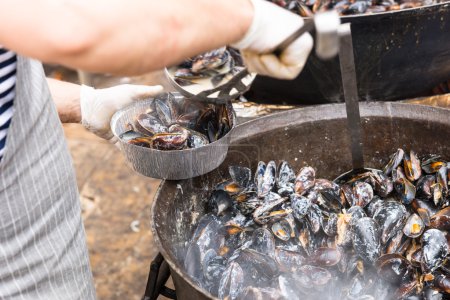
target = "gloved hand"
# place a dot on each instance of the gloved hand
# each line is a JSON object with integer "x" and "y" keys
{"x": 98, "y": 105}
{"x": 271, "y": 25}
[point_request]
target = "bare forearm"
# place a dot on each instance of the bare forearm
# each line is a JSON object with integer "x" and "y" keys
{"x": 67, "y": 100}
{"x": 126, "y": 37}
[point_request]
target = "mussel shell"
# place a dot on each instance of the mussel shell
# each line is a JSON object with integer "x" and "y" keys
{"x": 259, "y": 174}
{"x": 263, "y": 241}
{"x": 197, "y": 140}
{"x": 405, "y": 189}
{"x": 305, "y": 180}
{"x": 281, "y": 230}
{"x": 390, "y": 216}
{"x": 441, "y": 177}
{"x": 366, "y": 239}
{"x": 411, "y": 166}
{"x": 144, "y": 141}
{"x": 398, "y": 243}
{"x": 306, "y": 238}
{"x": 262, "y": 214}
{"x": 130, "y": 135}
{"x": 441, "y": 220}
{"x": 257, "y": 265}
{"x": 266, "y": 183}
{"x": 438, "y": 193}
{"x": 213, "y": 266}
{"x": 434, "y": 249}
{"x": 300, "y": 206}
{"x": 344, "y": 230}
{"x": 208, "y": 237}
{"x": 254, "y": 293}
{"x": 354, "y": 265}
{"x": 432, "y": 165}
{"x": 329, "y": 224}
{"x": 210, "y": 60}
{"x": 232, "y": 281}
{"x": 442, "y": 283}
{"x": 325, "y": 257}
{"x": 374, "y": 205}
{"x": 392, "y": 267}
{"x": 423, "y": 186}
{"x": 346, "y": 194}
{"x": 164, "y": 112}
{"x": 285, "y": 174}
{"x": 394, "y": 162}
{"x": 314, "y": 217}
{"x": 329, "y": 200}
{"x": 294, "y": 286}
{"x": 414, "y": 226}
{"x": 381, "y": 183}
{"x": 362, "y": 194}
{"x": 149, "y": 125}
{"x": 193, "y": 262}
{"x": 432, "y": 293}
{"x": 317, "y": 275}
{"x": 169, "y": 141}
{"x": 240, "y": 175}
{"x": 219, "y": 202}
{"x": 407, "y": 289}
{"x": 289, "y": 261}
{"x": 426, "y": 205}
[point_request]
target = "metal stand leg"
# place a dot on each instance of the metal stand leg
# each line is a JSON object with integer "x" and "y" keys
{"x": 157, "y": 277}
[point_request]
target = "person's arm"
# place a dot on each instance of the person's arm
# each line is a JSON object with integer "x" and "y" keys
{"x": 67, "y": 100}
{"x": 130, "y": 37}
{"x": 95, "y": 107}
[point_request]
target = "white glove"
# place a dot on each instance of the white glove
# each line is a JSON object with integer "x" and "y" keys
{"x": 271, "y": 25}
{"x": 98, "y": 106}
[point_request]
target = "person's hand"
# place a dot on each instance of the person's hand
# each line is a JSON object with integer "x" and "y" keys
{"x": 271, "y": 25}
{"x": 98, "y": 105}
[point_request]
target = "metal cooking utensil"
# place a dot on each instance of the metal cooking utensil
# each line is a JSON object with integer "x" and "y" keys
{"x": 239, "y": 83}
{"x": 172, "y": 165}
{"x": 346, "y": 58}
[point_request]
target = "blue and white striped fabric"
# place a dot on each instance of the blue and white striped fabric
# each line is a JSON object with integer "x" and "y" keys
{"x": 8, "y": 62}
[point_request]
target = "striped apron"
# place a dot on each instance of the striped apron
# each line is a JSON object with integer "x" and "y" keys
{"x": 43, "y": 253}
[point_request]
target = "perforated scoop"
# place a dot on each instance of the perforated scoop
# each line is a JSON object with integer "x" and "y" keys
{"x": 233, "y": 86}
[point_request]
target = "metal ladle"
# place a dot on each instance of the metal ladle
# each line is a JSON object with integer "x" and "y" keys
{"x": 348, "y": 73}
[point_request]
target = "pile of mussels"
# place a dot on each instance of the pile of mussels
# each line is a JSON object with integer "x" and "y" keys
{"x": 278, "y": 235}
{"x": 176, "y": 123}
{"x": 214, "y": 65}
{"x": 307, "y": 8}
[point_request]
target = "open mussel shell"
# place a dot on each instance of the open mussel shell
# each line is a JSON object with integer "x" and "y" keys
{"x": 173, "y": 165}
{"x": 224, "y": 82}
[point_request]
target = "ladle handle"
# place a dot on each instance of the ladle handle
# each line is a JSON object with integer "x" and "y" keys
{"x": 348, "y": 73}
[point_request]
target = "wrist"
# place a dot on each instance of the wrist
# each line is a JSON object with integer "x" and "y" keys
{"x": 87, "y": 96}
{"x": 270, "y": 25}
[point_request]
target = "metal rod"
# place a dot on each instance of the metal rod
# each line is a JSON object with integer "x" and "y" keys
{"x": 152, "y": 277}
{"x": 346, "y": 58}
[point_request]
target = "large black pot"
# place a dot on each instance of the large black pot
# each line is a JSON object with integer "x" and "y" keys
{"x": 398, "y": 55}
{"x": 316, "y": 136}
